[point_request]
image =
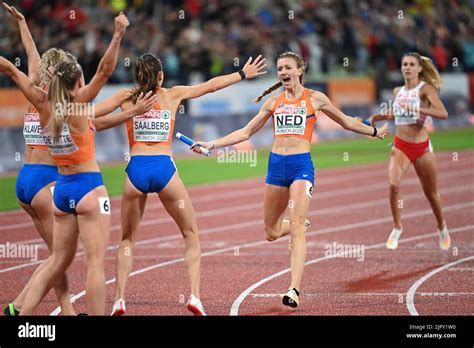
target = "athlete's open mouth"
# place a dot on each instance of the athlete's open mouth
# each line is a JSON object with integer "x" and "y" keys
{"x": 286, "y": 79}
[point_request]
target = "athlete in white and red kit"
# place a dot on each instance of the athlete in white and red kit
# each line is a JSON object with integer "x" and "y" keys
{"x": 415, "y": 104}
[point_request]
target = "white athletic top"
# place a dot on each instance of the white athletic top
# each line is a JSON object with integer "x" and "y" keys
{"x": 412, "y": 98}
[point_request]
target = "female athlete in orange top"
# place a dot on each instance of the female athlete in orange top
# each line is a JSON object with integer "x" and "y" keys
{"x": 290, "y": 170}
{"x": 39, "y": 171}
{"x": 80, "y": 199}
{"x": 415, "y": 104}
{"x": 151, "y": 169}
{"x": 38, "y": 175}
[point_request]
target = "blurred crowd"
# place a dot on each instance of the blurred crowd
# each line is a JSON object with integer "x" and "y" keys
{"x": 199, "y": 39}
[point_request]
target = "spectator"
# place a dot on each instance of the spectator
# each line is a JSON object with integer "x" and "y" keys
{"x": 206, "y": 38}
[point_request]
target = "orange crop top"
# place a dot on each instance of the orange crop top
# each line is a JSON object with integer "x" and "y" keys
{"x": 71, "y": 148}
{"x": 294, "y": 118}
{"x": 154, "y": 127}
{"x": 32, "y": 130}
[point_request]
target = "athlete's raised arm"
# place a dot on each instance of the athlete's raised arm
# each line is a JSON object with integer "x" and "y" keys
{"x": 107, "y": 63}
{"x": 35, "y": 95}
{"x": 27, "y": 41}
{"x": 250, "y": 70}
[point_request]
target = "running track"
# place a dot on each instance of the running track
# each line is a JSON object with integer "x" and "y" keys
{"x": 242, "y": 274}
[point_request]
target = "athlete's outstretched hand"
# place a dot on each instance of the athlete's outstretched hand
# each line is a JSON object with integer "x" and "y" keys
{"x": 208, "y": 145}
{"x": 13, "y": 12}
{"x": 144, "y": 103}
{"x": 383, "y": 131}
{"x": 253, "y": 69}
{"x": 121, "y": 24}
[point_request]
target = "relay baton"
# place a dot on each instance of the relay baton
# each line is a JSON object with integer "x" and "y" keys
{"x": 364, "y": 121}
{"x": 189, "y": 141}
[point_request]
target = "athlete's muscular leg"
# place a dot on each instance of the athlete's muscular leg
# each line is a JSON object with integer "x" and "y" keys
{"x": 427, "y": 171}
{"x": 178, "y": 204}
{"x": 133, "y": 207}
{"x": 397, "y": 168}
{"x": 275, "y": 203}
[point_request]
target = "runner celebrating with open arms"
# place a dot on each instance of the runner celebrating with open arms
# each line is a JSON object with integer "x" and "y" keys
{"x": 290, "y": 169}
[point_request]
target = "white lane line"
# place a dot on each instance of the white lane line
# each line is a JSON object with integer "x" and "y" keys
{"x": 218, "y": 229}
{"x": 253, "y": 244}
{"x": 370, "y": 170}
{"x": 369, "y": 294}
{"x": 330, "y": 210}
{"x": 461, "y": 269}
{"x": 411, "y": 292}
{"x": 243, "y": 207}
{"x": 238, "y": 301}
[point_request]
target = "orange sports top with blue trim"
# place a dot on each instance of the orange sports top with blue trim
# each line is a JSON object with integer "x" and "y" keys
{"x": 71, "y": 148}
{"x": 294, "y": 118}
{"x": 154, "y": 127}
{"x": 32, "y": 130}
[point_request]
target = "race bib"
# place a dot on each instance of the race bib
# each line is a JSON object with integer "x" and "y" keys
{"x": 290, "y": 120}
{"x": 406, "y": 107}
{"x": 32, "y": 129}
{"x": 154, "y": 126}
{"x": 64, "y": 145}
{"x": 407, "y": 110}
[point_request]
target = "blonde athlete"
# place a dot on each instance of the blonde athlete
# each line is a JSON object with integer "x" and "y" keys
{"x": 39, "y": 172}
{"x": 416, "y": 102}
{"x": 81, "y": 203}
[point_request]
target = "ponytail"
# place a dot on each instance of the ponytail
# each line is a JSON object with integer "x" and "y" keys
{"x": 430, "y": 74}
{"x": 51, "y": 58}
{"x": 300, "y": 65}
{"x": 147, "y": 68}
{"x": 57, "y": 95}
{"x": 64, "y": 79}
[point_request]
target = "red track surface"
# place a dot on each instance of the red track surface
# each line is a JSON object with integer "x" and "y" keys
{"x": 241, "y": 271}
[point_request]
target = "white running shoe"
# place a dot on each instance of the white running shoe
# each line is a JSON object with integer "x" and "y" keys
{"x": 291, "y": 298}
{"x": 444, "y": 238}
{"x": 119, "y": 307}
{"x": 195, "y": 306}
{"x": 307, "y": 223}
{"x": 392, "y": 242}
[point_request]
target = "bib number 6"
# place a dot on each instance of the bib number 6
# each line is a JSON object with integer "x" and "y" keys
{"x": 104, "y": 204}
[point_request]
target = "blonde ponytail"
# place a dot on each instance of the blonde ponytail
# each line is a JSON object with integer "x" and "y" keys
{"x": 58, "y": 97}
{"x": 51, "y": 58}
{"x": 300, "y": 65}
{"x": 64, "y": 79}
{"x": 430, "y": 74}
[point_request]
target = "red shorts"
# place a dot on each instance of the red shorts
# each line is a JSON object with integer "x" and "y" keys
{"x": 412, "y": 150}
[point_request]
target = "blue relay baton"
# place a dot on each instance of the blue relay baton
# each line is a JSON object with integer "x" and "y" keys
{"x": 190, "y": 141}
{"x": 364, "y": 121}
